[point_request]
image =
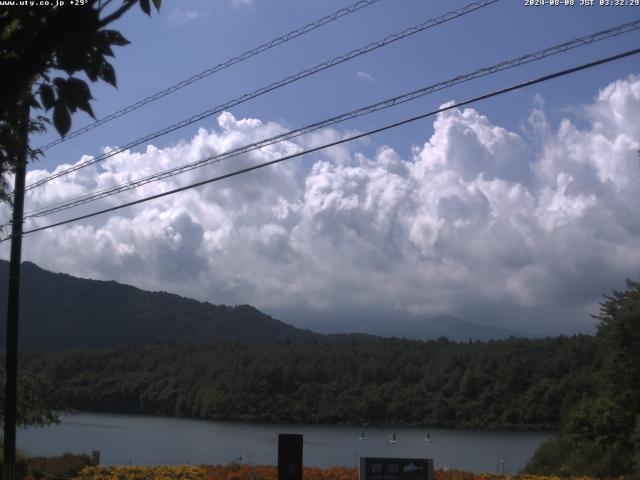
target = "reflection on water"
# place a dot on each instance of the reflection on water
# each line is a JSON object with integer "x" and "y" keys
{"x": 146, "y": 440}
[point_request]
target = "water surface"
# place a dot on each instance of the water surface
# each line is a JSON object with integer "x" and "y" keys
{"x": 148, "y": 440}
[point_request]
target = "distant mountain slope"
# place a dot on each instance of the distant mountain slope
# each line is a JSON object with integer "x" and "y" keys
{"x": 453, "y": 328}
{"x": 425, "y": 328}
{"x": 59, "y": 311}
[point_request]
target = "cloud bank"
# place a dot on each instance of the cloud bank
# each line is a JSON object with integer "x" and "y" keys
{"x": 481, "y": 222}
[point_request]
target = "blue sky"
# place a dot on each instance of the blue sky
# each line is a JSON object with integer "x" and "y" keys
{"x": 192, "y": 35}
{"x": 514, "y": 212}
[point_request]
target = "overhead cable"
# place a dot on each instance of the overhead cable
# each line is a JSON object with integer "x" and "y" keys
{"x": 397, "y": 100}
{"x": 216, "y": 68}
{"x": 273, "y": 86}
{"x": 495, "y": 93}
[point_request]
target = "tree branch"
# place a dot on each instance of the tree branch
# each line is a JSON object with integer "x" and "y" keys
{"x": 117, "y": 14}
{"x": 102, "y": 5}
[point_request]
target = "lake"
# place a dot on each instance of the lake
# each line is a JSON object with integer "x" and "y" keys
{"x": 148, "y": 440}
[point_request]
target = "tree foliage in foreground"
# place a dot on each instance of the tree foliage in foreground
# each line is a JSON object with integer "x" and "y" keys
{"x": 513, "y": 383}
{"x": 38, "y": 400}
{"x": 42, "y": 50}
{"x": 601, "y": 436}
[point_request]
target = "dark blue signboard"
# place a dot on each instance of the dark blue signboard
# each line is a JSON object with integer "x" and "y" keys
{"x": 375, "y": 468}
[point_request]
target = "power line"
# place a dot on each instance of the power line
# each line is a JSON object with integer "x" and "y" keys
{"x": 273, "y": 86}
{"x": 215, "y": 69}
{"x": 528, "y": 58}
{"x": 344, "y": 140}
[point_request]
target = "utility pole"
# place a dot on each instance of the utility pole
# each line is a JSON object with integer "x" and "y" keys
{"x": 13, "y": 303}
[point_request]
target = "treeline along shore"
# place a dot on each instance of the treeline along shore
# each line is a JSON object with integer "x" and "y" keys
{"x": 514, "y": 383}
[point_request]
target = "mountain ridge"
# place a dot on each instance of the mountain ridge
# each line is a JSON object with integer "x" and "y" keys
{"x": 60, "y": 311}
{"x": 56, "y": 309}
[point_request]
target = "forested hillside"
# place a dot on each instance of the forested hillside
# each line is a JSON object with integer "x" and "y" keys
{"x": 512, "y": 383}
{"x": 59, "y": 311}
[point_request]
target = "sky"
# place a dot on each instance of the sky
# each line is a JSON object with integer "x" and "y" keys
{"x": 515, "y": 212}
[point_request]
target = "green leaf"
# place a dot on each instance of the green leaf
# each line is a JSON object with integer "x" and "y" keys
{"x": 92, "y": 68}
{"x": 113, "y": 37}
{"x": 107, "y": 73}
{"x": 78, "y": 95}
{"x": 145, "y": 6}
{"x": 9, "y": 29}
{"x": 85, "y": 106}
{"x": 157, "y": 4}
{"x": 106, "y": 50}
{"x": 78, "y": 88}
{"x": 61, "y": 118}
{"x": 72, "y": 54}
{"x": 60, "y": 83}
{"x": 47, "y": 96}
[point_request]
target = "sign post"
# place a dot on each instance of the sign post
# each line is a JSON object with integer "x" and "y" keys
{"x": 289, "y": 456}
{"x": 377, "y": 468}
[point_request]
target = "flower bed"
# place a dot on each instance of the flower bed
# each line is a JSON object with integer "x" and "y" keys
{"x": 261, "y": 472}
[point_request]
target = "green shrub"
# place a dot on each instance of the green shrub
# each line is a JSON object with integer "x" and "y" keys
{"x": 64, "y": 466}
{"x": 563, "y": 458}
{"x": 549, "y": 458}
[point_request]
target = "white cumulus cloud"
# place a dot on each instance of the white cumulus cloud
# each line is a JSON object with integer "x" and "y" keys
{"x": 478, "y": 222}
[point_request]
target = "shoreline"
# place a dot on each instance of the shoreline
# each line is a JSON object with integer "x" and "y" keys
{"x": 463, "y": 428}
